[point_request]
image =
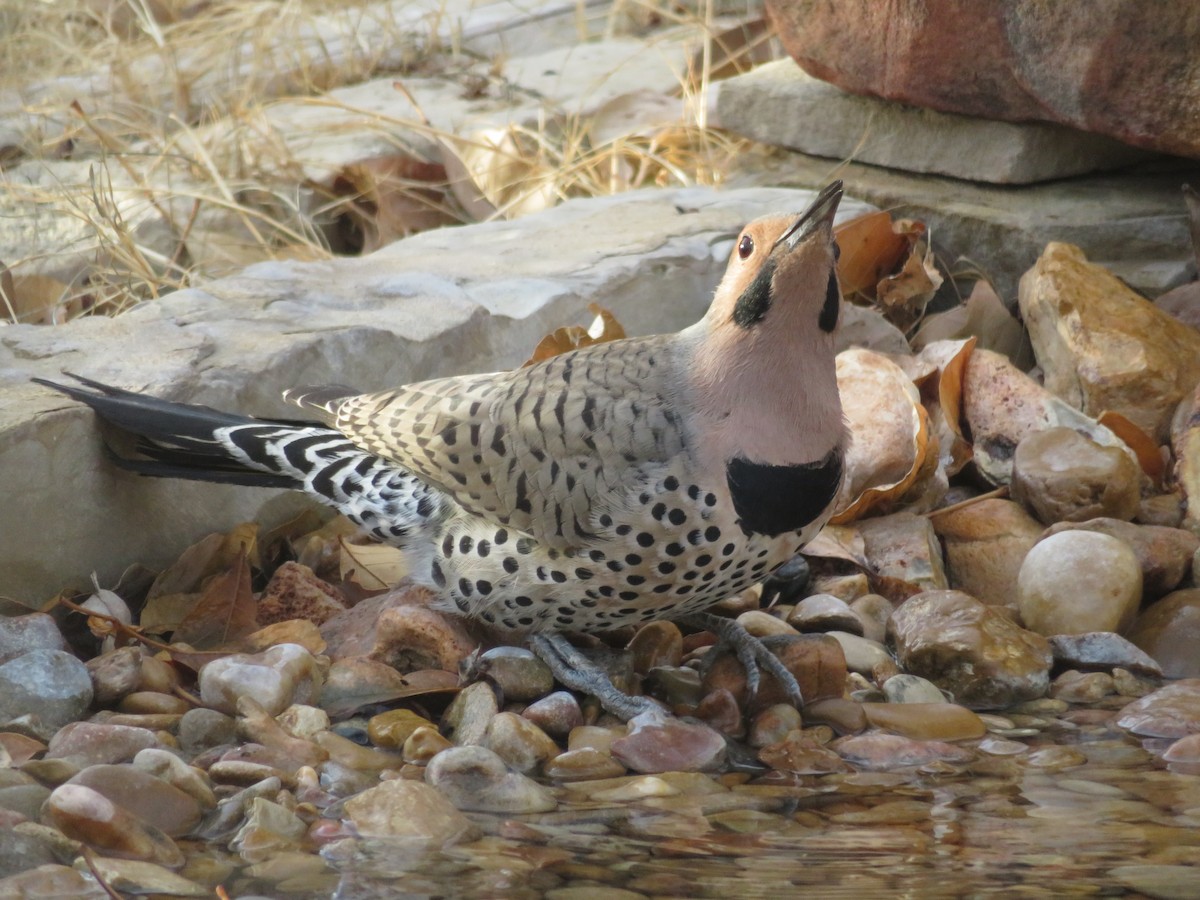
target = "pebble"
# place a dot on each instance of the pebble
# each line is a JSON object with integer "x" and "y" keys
{"x": 173, "y": 770}
{"x": 409, "y": 809}
{"x": 152, "y": 703}
{"x": 825, "y": 612}
{"x": 86, "y": 815}
{"x": 276, "y": 678}
{"x": 926, "y": 721}
{"x": 1101, "y": 650}
{"x": 466, "y": 719}
{"x": 973, "y": 651}
{"x": 912, "y": 689}
{"x": 816, "y": 660}
{"x": 656, "y": 644}
{"x": 842, "y": 715}
{"x": 847, "y": 587}
{"x": 1079, "y": 581}
{"x": 519, "y": 674}
{"x": 584, "y": 764}
{"x": 391, "y": 729}
{"x": 1162, "y": 882}
{"x": 639, "y": 787}
{"x": 876, "y": 750}
{"x": 115, "y": 674}
{"x": 52, "y": 881}
{"x": 657, "y": 743}
{"x": 556, "y": 713}
{"x": 522, "y": 745}
{"x": 269, "y": 829}
{"x": 1164, "y": 554}
{"x": 423, "y": 745}
{"x": 986, "y": 542}
{"x": 294, "y": 592}
{"x": 52, "y": 687}
{"x": 92, "y": 743}
{"x": 1172, "y": 711}
{"x": 773, "y": 724}
{"x": 1082, "y": 687}
{"x": 475, "y": 778}
{"x": 873, "y": 611}
{"x": 202, "y": 729}
{"x": 149, "y": 798}
{"x": 1064, "y": 476}
{"x": 720, "y": 710}
{"x": 801, "y": 754}
{"x": 1169, "y": 631}
{"x": 138, "y": 877}
{"x": 762, "y": 624}
{"x": 862, "y": 654}
{"x": 675, "y": 686}
{"x": 22, "y": 634}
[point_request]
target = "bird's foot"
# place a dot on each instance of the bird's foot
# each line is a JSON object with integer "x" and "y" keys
{"x": 579, "y": 673}
{"x": 751, "y": 652}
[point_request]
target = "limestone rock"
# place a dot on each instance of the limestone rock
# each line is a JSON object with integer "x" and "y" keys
{"x": 1079, "y": 581}
{"x": 985, "y": 544}
{"x": 1062, "y": 475}
{"x": 1102, "y": 346}
{"x": 904, "y": 555}
{"x": 1115, "y": 69}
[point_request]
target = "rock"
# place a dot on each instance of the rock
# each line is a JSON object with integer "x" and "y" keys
{"x": 1165, "y": 554}
{"x": 985, "y": 544}
{"x": 423, "y": 745}
{"x": 926, "y": 721}
{"x": 115, "y": 674}
{"x": 20, "y": 634}
{"x": 466, "y": 719}
{"x": 409, "y": 809}
{"x": 862, "y": 655}
{"x": 523, "y": 746}
{"x": 1082, "y": 687}
{"x": 801, "y": 754}
{"x": 584, "y": 764}
{"x": 276, "y": 678}
{"x": 1162, "y": 882}
{"x": 53, "y": 881}
{"x": 519, "y": 674}
{"x": 1172, "y": 711}
{"x": 778, "y": 103}
{"x": 656, "y": 644}
{"x": 1015, "y": 62}
{"x": 873, "y": 611}
{"x": 761, "y": 624}
{"x": 1079, "y": 581}
{"x": 392, "y": 728}
{"x": 1169, "y": 631}
{"x": 269, "y": 830}
{"x": 773, "y": 724}
{"x": 824, "y": 612}
{"x": 904, "y": 555}
{"x": 678, "y": 686}
{"x": 1185, "y": 441}
{"x": 841, "y": 715}
{"x": 51, "y": 685}
{"x": 1061, "y": 475}
{"x": 85, "y": 815}
{"x": 877, "y": 750}
{"x": 660, "y": 743}
{"x": 170, "y": 768}
{"x": 1101, "y": 650}
{"x": 135, "y": 877}
{"x": 151, "y": 799}
{"x": 94, "y": 743}
{"x": 475, "y": 778}
{"x": 294, "y": 592}
{"x": 19, "y": 852}
{"x": 912, "y": 689}
{"x": 1104, "y": 347}
{"x": 556, "y": 714}
{"x": 1163, "y": 510}
{"x": 817, "y": 662}
{"x": 720, "y": 710}
{"x": 201, "y": 729}
{"x": 970, "y": 650}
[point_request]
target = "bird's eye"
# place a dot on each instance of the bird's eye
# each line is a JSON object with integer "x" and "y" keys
{"x": 745, "y": 246}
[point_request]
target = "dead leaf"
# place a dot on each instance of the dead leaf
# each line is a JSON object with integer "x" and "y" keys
{"x": 225, "y": 612}
{"x": 38, "y": 299}
{"x": 904, "y": 296}
{"x": 870, "y": 248}
{"x": 1143, "y": 446}
{"x": 842, "y": 542}
{"x": 604, "y": 328}
{"x": 19, "y": 747}
{"x": 391, "y": 197}
{"x": 984, "y": 317}
{"x": 373, "y": 567}
{"x": 945, "y": 401}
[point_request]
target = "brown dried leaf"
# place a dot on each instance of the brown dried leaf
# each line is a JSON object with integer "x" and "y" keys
{"x": 843, "y": 542}
{"x": 37, "y": 299}
{"x": 1143, "y": 446}
{"x": 983, "y": 317}
{"x": 20, "y": 749}
{"x": 391, "y": 197}
{"x": 604, "y": 328}
{"x": 904, "y": 296}
{"x": 225, "y": 612}
{"x": 945, "y": 400}
{"x": 373, "y": 567}
{"x": 870, "y": 249}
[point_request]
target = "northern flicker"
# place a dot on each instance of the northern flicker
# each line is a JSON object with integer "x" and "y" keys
{"x": 611, "y": 485}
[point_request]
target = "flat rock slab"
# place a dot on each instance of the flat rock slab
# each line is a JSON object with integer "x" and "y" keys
{"x": 778, "y": 103}
{"x": 456, "y": 300}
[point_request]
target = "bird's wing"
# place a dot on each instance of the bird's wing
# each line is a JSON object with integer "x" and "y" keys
{"x": 544, "y": 449}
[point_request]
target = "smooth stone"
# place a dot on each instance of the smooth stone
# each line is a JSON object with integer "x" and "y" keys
{"x": 1184, "y": 750}
{"x": 173, "y": 770}
{"x": 115, "y": 674}
{"x": 926, "y": 721}
{"x": 1104, "y": 650}
{"x": 523, "y": 746}
{"x": 1102, "y": 346}
{"x": 1173, "y": 711}
{"x": 52, "y": 881}
{"x": 88, "y": 816}
{"x": 408, "y": 809}
{"x": 816, "y": 660}
{"x": 423, "y": 745}
{"x": 295, "y": 592}
{"x": 519, "y": 674}
{"x": 660, "y": 743}
{"x": 904, "y": 554}
{"x": 842, "y": 715}
{"x": 825, "y": 612}
{"x": 136, "y": 877}
{"x": 773, "y": 724}
{"x": 873, "y": 611}
{"x": 656, "y": 644}
{"x": 1079, "y": 581}
{"x": 1061, "y": 475}
{"x": 801, "y": 754}
{"x": 970, "y": 650}
{"x": 52, "y": 685}
{"x": 877, "y": 750}
{"x": 201, "y": 729}
{"x": 674, "y": 685}
{"x": 720, "y": 710}
{"x": 303, "y": 721}
{"x": 35, "y": 631}
{"x": 1169, "y": 631}
{"x": 1165, "y": 554}
{"x": 91, "y": 743}
{"x": 583, "y": 764}
{"x": 556, "y": 713}
{"x": 269, "y": 830}
{"x": 762, "y": 624}
{"x": 475, "y": 778}
{"x": 392, "y": 728}
{"x": 985, "y": 544}
{"x": 19, "y": 852}
{"x": 466, "y": 719}
{"x": 152, "y": 703}
{"x": 848, "y": 587}
{"x": 354, "y": 755}
{"x": 151, "y": 799}
{"x": 1082, "y": 687}
{"x": 276, "y": 678}
{"x": 912, "y": 689}
{"x": 158, "y": 675}
{"x": 862, "y": 654}
{"x": 594, "y": 737}
{"x": 25, "y": 799}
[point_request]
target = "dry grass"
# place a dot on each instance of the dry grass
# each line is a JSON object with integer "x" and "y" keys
{"x": 153, "y": 185}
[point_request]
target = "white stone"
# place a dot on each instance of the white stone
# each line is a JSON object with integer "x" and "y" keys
{"x": 1075, "y": 582}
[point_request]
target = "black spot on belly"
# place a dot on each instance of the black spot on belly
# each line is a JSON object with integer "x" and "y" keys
{"x": 772, "y": 500}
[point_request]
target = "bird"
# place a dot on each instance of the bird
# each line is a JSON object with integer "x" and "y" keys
{"x": 612, "y": 485}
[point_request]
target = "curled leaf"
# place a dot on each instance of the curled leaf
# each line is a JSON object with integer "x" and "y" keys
{"x": 373, "y": 567}
{"x": 604, "y": 327}
{"x": 1143, "y": 446}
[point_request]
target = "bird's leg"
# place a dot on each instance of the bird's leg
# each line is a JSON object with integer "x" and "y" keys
{"x": 751, "y": 653}
{"x": 579, "y": 673}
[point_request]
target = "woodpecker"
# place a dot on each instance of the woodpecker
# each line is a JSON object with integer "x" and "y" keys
{"x": 611, "y": 485}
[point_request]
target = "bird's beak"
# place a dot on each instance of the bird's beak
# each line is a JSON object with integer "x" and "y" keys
{"x": 821, "y": 213}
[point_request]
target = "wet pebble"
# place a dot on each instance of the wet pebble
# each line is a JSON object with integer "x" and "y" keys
{"x": 521, "y": 744}
{"x": 773, "y": 724}
{"x": 392, "y": 728}
{"x": 912, "y": 689}
{"x": 1169, "y": 631}
{"x": 269, "y": 829}
{"x": 873, "y": 611}
{"x": 675, "y": 685}
{"x": 276, "y": 678}
{"x": 1101, "y": 650}
{"x": 135, "y": 877}
{"x": 173, "y": 770}
{"x": 556, "y": 713}
{"x": 1172, "y": 711}
{"x": 973, "y": 651}
{"x": 408, "y": 809}
{"x": 475, "y": 778}
{"x": 466, "y": 719}
{"x": 840, "y": 714}
{"x": 1162, "y": 882}
{"x": 1164, "y": 554}
{"x": 518, "y": 673}
{"x": 862, "y": 654}
{"x": 51, "y": 687}
{"x": 1062, "y": 475}
{"x": 986, "y": 542}
{"x": 149, "y": 798}
{"x": 152, "y": 703}
{"x": 720, "y": 710}
{"x": 1082, "y": 687}
{"x": 876, "y": 750}
{"x": 52, "y": 881}
{"x": 816, "y": 660}
{"x": 92, "y": 743}
{"x": 202, "y": 729}
{"x": 802, "y": 754}
{"x": 825, "y": 612}
{"x": 660, "y": 743}
{"x": 1079, "y": 581}
{"x": 86, "y": 815}
{"x": 423, "y": 745}
{"x": 115, "y": 674}
{"x": 926, "y": 721}
{"x": 584, "y": 764}
{"x": 762, "y": 624}
{"x": 22, "y": 634}
{"x": 656, "y": 644}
